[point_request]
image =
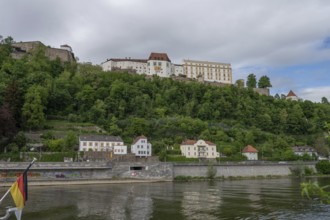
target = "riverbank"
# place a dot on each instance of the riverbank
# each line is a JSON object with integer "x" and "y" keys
{"x": 82, "y": 182}
{"x": 45, "y": 174}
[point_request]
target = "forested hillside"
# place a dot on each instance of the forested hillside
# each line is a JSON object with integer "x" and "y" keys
{"x": 34, "y": 89}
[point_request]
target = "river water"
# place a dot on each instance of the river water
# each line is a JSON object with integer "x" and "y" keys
{"x": 225, "y": 199}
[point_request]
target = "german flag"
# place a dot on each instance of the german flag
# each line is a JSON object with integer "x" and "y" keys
{"x": 19, "y": 191}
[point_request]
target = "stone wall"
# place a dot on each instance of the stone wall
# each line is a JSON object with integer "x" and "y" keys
{"x": 25, "y": 48}
{"x": 75, "y": 171}
{"x": 238, "y": 170}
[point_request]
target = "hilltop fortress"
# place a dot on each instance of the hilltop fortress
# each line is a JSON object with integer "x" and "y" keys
{"x": 160, "y": 64}
{"x": 21, "y": 49}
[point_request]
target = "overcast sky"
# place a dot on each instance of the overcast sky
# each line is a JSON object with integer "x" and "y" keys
{"x": 287, "y": 40}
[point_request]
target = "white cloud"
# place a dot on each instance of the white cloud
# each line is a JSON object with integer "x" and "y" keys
{"x": 315, "y": 94}
{"x": 253, "y": 35}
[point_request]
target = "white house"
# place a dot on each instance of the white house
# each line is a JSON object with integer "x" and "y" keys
{"x": 198, "y": 149}
{"x": 140, "y": 147}
{"x": 301, "y": 150}
{"x": 120, "y": 149}
{"x": 102, "y": 143}
{"x": 292, "y": 96}
{"x": 250, "y": 152}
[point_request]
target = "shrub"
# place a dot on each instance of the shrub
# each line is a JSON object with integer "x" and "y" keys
{"x": 297, "y": 171}
{"x": 211, "y": 171}
{"x": 323, "y": 167}
{"x": 309, "y": 171}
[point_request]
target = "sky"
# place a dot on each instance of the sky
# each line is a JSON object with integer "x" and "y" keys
{"x": 288, "y": 41}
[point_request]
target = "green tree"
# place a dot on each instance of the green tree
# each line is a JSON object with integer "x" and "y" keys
{"x": 264, "y": 82}
{"x": 70, "y": 141}
{"x": 251, "y": 81}
{"x": 33, "y": 110}
{"x": 324, "y": 100}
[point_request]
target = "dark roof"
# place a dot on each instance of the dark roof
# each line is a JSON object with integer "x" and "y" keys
{"x": 138, "y": 138}
{"x": 100, "y": 138}
{"x": 249, "y": 149}
{"x": 128, "y": 59}
{"x": 303, "y": 149}
{"x": 159, "y": 56}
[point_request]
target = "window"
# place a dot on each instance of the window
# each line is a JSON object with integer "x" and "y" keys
{"x": 96, "y": 144}
{"x": 159, "y": 63}
{"x": 155, "y": 63}
{"x": 90, "y": 143}
{"x": 84, "y": 144}
{"x": 138, "y": 146}
{"x": 102, "y": 144}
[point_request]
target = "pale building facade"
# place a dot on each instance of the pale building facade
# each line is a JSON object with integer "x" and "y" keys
{"x": 102, "y": 143}
{"x": 301, "y": 150}
{"x": 120, "y": 149}
{"x": 250, "y": 152}
{"x": 136, "y": 65}
{"x": 159, "y": 64}
{"x": 141, "y": 147}
{"x": 199, "y": 149}
{"x": 208, "y": 71}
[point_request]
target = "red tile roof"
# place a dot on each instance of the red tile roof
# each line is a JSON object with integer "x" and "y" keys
{"x": 192, "y": 142}
{"x": 159, "y": 56}
{"x": 249, "y": 149}
{"x": 209, "y": 143}
{"x": 189, "y": 142}
{"x": 291, "y": 93}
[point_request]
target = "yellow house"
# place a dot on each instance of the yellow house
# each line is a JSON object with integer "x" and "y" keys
{"x": 198, "y": 149}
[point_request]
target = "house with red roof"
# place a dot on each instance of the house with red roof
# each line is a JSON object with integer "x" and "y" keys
{"x": 141, "y": 147}
{"x": 250, "y": 152}
{"x": 199, "y": 149}
{"x": 292, "y": 96}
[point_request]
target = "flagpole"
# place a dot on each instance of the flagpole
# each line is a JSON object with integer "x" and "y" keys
{"x": 32, "y": 162}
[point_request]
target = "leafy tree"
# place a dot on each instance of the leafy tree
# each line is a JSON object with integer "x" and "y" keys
{"x": 323, "y": 167}
{"x": 264, "y": 82}
{"x": 239, "y": 83}
{"x": 70, "y": 141}
{"x": 324, "y": 100}
{"x": 251, "y": 81}
{"x": 33, "y": 110}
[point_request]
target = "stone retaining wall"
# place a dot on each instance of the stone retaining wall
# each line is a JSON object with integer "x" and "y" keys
{"x": 83, "y": 171}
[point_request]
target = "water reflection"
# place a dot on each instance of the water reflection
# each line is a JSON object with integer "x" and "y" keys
{"x": 117, "y": 203}
{"x": 243, "y": 199}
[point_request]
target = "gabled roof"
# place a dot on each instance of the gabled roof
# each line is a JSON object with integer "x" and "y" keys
{"x": 189, "y": 142}
{"x": 139, "y": 138}
{"x": 159, "y": 56}
{"x": 291, "y": 93}
{"x": 209, "y": 143}
{"x": 105, "y": 138}
{"x": 249, "y": 149}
